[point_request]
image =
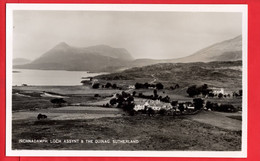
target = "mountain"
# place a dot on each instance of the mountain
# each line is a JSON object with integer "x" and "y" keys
{"x": 95, "y": 58}
{"x": 103, "y": 58}
{"x": 20, "y": 61}
{"x": 229, "y": 50}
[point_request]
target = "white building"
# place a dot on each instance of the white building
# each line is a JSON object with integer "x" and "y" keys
{"x": 218, "y": 90}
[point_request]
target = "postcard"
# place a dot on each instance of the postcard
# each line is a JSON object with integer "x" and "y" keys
{"x": 140, "y": 80}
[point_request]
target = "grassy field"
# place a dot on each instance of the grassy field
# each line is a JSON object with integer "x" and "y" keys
{"x": 67, "y": 90}
{"x": 73, "y": 94}
{"x": 153, "y": 133}
{"x": 217, "y": 74}
{"x": 208, "y": 131}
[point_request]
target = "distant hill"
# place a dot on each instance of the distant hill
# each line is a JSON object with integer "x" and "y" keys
{"x": 20, "y": 61}
{"x": 219, "y": 74}
{"x": 103, "y": 58}
{"x": 229, "y": 50}
{"x": 95, "y": 58}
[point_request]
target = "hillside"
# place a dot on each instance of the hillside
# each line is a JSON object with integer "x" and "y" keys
{"x": 95, "y": 58}
{"x": 218, "y": 74}
{"x": 228, "y": 50}
{"x": 20, "y": 61}
{"x": 103, "y": 58}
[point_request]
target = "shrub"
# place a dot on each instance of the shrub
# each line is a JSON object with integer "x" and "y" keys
{"x": 240, "y": 92}
{"x": 192, "y": 91}
{"x": 181, "y": 107}
{"x": 162, "y": 112}
{"x": 114, "y": 86}
{"x": 150, "y": 112}
{"x": 138, "y": 85}
{"x": 166, "y": 99}
{"x": 108, "y": 85}
{"x": 113, "y": 101}
{"x": 174, "y": 103}
{"x": 96, "y": 95}
{"x": 159, "y": 86}
{"x": 96, "y": 85}
{"x": 220, "y": 95}
{"x": 209, "y": 105}
{"x": 198, "y": 103}
{"x": 227, "y": 108}
{"x": 58, "y": 101}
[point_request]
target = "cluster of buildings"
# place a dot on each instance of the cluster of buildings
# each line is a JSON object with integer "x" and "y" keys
{"x": 157, "y": 105}
{"x": 217, "y": 91}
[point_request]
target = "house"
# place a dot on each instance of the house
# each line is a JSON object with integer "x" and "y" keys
{"x": 131, "y": 87}
{"x": 191, "y": 108}
{"x": 217, "y": 91}
{"x": 156, "y": 108}
{"x": 139, "y": 107}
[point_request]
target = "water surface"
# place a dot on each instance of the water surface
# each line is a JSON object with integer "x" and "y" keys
{"x": 49, "y": 77}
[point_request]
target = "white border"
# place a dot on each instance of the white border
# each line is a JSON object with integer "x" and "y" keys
{"x": 122, "y": 7}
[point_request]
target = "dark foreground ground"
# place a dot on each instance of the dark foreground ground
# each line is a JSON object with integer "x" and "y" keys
{"x": 153, "y": 133}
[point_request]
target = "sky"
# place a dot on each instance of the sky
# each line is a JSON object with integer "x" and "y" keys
{"x": 155, "y": 35}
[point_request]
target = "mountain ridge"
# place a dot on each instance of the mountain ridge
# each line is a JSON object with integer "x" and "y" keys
{"x": 103, "y": 58}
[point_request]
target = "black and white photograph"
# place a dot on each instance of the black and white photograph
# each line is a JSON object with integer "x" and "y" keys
{"x": 126, "y": 80}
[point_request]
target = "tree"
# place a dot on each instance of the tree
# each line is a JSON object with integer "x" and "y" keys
{"x": 159, "y": 86}
{"x": 150, "y": 112}
{"x": 240, "y": 92}
{"x": 204, "y": 90}
{"x": 130, "y": 99}
{"x": 198, "y": 103}
{"x": 138, "y": 85}
{"x": 97, "y": 95}
{"x": 114, "y": 86}
{"x": 235, "y": 94}
{"x": 181, "y": 107}
{"x": 134, "y": 93}
{"x": 211, "y": 94}
{"x": 162, "y": 112}
{"x": 146, "y": 85}
{"x": 192, "y": 91}
{"x": 204, "y": 86}
{"x": 120, "y": 101}
{"x": 155, "y": 93}
{"x": 128, "y": 106}
{"x": 125, "y": 95}
{"x": 108, "y": 85}
{"x": 220, "y": 95}
{"x": 95, "y": 86}
{"x": 166, "y": 99}
{"x": 174, "y": 103}
{"x": 113, "y": 101}
{"x": 227, "y": 108}
{"x": 209, "y": 105}
{"x": 177, "y": 86}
